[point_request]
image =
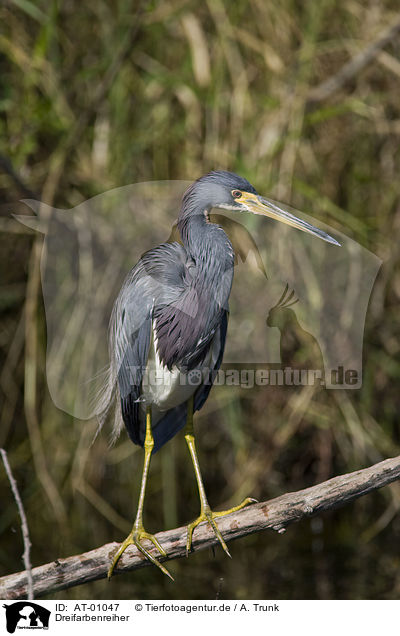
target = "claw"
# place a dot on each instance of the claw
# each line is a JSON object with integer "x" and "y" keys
{"x": 135, "y": 538}
{"x": 208, "y": 515}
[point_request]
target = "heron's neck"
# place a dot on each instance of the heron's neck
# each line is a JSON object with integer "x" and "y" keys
{"x": 206, "y": 242}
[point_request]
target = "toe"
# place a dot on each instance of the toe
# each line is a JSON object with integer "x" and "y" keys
{"x": 135, "y": 538}
{"x": 156, "y": 543}
{"x": 152, "y": 559}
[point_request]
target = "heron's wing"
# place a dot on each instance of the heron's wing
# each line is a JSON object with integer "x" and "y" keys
{"x": 130, "y": 376}
{"x": 158, "y": 278}
{"x": 160, "y": 295}
{"x": 175, "y": 419}
{"x": 187, "y": 322}
{"x": 204, "y": 390}
{"x": 130, "y": 331}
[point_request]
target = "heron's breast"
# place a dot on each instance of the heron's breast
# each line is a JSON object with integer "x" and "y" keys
{"x": 168, "y": 388}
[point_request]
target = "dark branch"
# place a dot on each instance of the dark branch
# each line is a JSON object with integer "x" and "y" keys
{"x": 275, "y": 514}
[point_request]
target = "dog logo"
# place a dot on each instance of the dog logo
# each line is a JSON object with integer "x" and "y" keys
{"x": 26, "y": 615}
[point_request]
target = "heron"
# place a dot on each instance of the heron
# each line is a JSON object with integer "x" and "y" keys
{"x": 168, "y": 325}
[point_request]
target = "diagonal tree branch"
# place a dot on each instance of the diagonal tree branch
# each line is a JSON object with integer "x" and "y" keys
{"x": 275, "y": 514}
{"x": 354, "y": 66}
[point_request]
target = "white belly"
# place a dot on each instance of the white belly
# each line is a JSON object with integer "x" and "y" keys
{"x": 166, "y": 389}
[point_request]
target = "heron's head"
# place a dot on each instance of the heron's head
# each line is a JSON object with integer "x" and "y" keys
{"x": 226, "y": 190}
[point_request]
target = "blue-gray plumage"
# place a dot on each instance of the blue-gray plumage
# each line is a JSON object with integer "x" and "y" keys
{"x": 176, "y": 299}
{"x": 170, "y": 304}
{"x": 169, "y": 325}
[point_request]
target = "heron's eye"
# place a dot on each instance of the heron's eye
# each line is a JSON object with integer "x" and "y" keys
{"x": 236, "y": 194}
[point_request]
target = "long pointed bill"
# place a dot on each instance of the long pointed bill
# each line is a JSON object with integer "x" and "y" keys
{"x": 259, "y": 205}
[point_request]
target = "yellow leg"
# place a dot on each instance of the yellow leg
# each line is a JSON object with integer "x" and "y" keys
{"x": 138, "y": 532}
{"x": 206, "y": 513}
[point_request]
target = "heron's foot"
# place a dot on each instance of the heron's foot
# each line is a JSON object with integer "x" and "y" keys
{"x": 135, "y": 538}
{"x": 208, "y": 515}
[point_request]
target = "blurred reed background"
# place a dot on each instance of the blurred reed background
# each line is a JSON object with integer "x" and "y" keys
{"x": 102, "y": 95}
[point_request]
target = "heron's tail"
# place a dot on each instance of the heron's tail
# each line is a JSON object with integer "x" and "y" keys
{"x": 106, "y": 403}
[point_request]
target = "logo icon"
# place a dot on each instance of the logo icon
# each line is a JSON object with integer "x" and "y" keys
{"x": 26, "y": 615}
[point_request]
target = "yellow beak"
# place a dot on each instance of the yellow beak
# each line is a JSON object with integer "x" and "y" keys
{"x": 258, "y": 205}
